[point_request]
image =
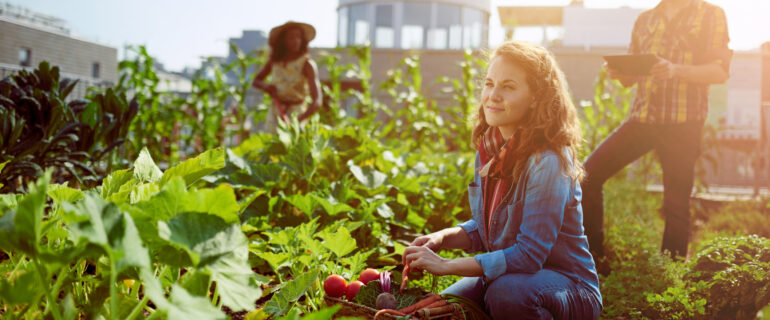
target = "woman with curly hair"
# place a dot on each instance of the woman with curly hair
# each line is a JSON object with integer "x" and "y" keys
{"x": 527, "y": 221}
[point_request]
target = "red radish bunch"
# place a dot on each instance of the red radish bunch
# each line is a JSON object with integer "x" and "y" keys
{"x": 336, "y": 286}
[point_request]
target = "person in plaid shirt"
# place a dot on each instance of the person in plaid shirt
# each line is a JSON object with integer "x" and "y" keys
{"x": 690, "y": 39}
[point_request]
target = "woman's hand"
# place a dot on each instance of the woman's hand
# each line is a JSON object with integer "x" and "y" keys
{"x": 431, "y": 241}
{"x": 423, "y": 258}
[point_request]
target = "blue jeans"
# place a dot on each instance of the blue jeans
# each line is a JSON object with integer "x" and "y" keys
{"x": 546, "y": 294}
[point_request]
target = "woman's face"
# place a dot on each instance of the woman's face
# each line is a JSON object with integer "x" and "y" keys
{"x": 293, "y": 39}
{"x": 506, "y": 97}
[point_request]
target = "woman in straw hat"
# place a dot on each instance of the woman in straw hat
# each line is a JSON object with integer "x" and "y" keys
{"x": 294, "y": 73}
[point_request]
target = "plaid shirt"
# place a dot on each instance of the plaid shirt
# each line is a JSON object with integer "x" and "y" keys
{"x": 697, "y": 35}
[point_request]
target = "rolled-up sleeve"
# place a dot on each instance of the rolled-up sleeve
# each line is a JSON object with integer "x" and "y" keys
{"x": 547, "y": 193}
{"x": 472, "y": 229}
{"x": 717, "y": 39}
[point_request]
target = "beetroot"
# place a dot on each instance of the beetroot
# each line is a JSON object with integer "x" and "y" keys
{"x": 386, "y": 301}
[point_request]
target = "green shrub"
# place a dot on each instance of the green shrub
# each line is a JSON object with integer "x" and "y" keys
{"x": 741, "y": 218}
{"x": 729, "y": 278}
{"x": 39, "y": 130}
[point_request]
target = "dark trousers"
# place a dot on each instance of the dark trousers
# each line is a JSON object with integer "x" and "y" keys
{"x": 677, "y": 145}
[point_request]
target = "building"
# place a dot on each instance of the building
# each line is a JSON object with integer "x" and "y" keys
{"x": 438, "y": 31}
{"x": 28, "y": 38}
{"x": 403, "y": 24}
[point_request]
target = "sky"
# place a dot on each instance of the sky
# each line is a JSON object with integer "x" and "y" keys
{"x": 179, "y": 32}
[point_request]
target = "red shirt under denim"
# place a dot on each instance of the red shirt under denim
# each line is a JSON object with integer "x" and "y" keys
{"x": 697, "y": 35}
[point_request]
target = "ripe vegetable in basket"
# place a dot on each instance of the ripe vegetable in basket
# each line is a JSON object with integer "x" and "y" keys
{"x": 385, "y": 300}
{"x": 335, "y": 286}
{"x": 352, "y": 289}
{"x": 369, "y": 275}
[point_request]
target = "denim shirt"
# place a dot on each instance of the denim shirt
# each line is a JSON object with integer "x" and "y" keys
{"x": 540, "y": 225}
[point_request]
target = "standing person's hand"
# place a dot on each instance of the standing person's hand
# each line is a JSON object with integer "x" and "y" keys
{"x": 613, "y": 73}
{"x": 310, "y": 110}
{"x": 624, "y": 79}
{"x": 664, "y": 69}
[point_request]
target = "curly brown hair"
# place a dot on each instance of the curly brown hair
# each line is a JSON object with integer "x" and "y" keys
{"x": 552, "y": 124}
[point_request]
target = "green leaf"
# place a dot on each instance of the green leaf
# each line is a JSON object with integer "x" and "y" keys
{"x": 323, "y": 314}
{"x": 99, "y": 222}
{"x": 220, "y": 202}
{"x": 304, "y": 203}
{"x": 340, "y": 242}
{"x": 368, "y": 176}
{"x": 21, "y": 229}
{"x": 145, "y": 169}
{"x": 143, "y": 192}
{"x": 193, "y": 169}
{"x": 62, "y": 193}
{"x": 174, "y": 199}
{"x": 180, "y": 305}
{"x": 357, "y": 262}
{"x": 238, "y": 286}
{"x": 197, "y": 282}
{"x": 246, "y": 201}
{"x": 331, "y": 206}
{"x": 283, "y": 237}
{"x": 275, "y": 260}
{"x": 23, "y": 289}
{"x": 293, "y": 290}
{"x": 384, "y": 210}
{"x": 113, "y": 182}
{"x": 299, "y": 159}
{"x": 222, "y": 249}
{"x": 204, "y": 237}
{"x": 9, "y": 202}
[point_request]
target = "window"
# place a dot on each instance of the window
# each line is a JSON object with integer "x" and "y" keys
{"x": 358, "y": 27}
{"x": 384, "y": 35}
{"x": 473, "y": 23}
{"x": 448, "y": 31}
{"x": 25, "y": 57}
{"x": 95, "y": 70}
{"x": 342, "y": 27}
{"x": 415, "y": 27}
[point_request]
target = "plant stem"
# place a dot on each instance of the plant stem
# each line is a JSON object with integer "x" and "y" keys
{"x": 15, "y": 267}
{"x": 51, "y": 302}
{"x": 113, "y": 289}
{"x": 154, "y": 315}
{"x": 138, "y": 308}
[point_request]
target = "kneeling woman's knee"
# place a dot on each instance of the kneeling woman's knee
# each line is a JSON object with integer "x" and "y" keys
{"x": 509, "y": 295}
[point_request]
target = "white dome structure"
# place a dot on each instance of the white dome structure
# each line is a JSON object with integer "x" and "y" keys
{"x": 414, "y": 24}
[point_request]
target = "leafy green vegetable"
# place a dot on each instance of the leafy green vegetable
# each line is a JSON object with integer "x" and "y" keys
{"x": 367, "y": 295}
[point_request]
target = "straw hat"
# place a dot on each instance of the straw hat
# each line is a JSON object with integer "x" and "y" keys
{"x": 307, "y": 30}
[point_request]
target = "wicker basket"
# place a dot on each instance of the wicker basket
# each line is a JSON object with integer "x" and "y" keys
{"x": 452, "y": 311}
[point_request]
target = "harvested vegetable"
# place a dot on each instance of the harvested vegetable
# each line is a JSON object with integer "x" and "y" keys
{"x": 386, "y": 300}
{"x": 353, "y": 289}
{"x": 421, "y": 304}
{"x": 388, "y": 311}
{"x": 335, "y": 286}
{"x": 369, "y": 275}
